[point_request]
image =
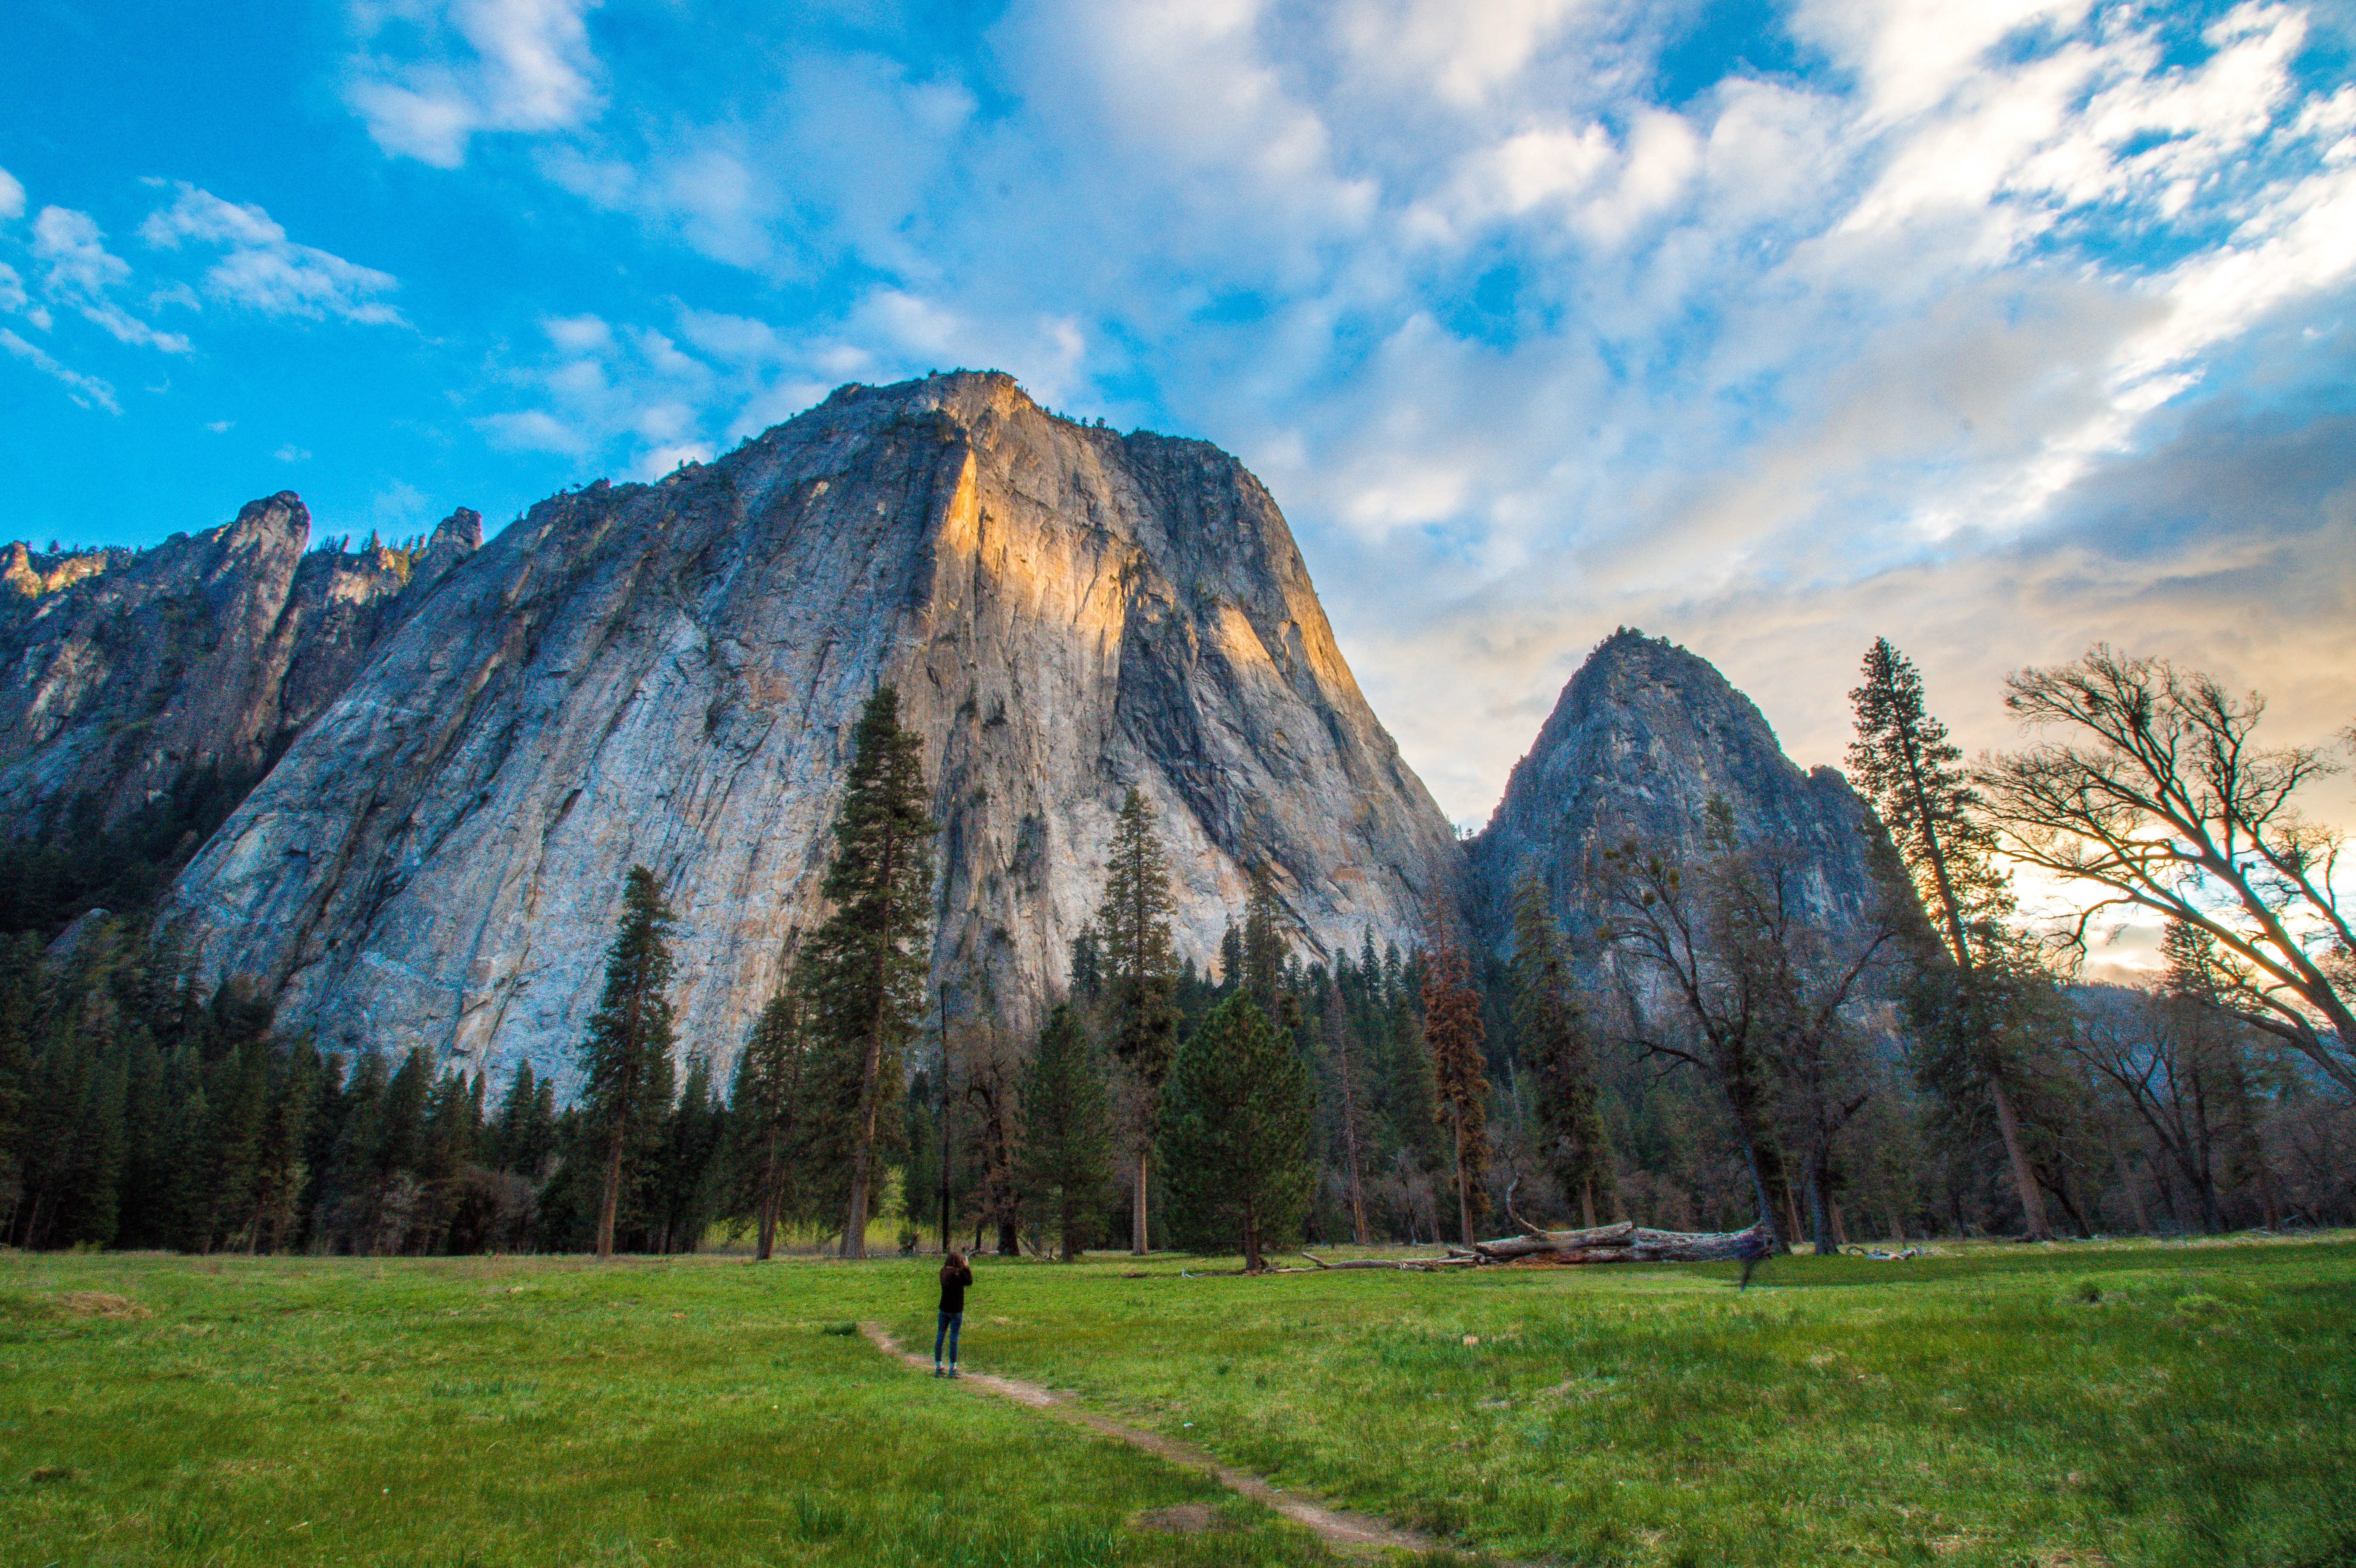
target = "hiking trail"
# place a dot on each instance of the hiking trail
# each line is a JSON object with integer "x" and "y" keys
{"x": 1358, "y": 1534}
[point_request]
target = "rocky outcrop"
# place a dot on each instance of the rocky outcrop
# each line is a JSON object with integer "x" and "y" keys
{"x": 128, "y": 670}
{"x": 668, "y": 675}
{"x": 1641, "y": 738}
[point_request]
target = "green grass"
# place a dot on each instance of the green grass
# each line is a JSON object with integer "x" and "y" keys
{"x": 2078, "y": 1405}
{"x": 476, "y": 1413}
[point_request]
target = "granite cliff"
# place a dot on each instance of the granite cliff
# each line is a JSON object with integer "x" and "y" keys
{"x": 1641, "y": 738}
{"x": 128, "y": 670}
{"x": 667, "y": 674}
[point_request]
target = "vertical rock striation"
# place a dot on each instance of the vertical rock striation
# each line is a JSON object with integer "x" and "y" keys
{"x": 129, "y": 669}
{"x": 1641, "y": 738}
{"x": 668, "y": 674}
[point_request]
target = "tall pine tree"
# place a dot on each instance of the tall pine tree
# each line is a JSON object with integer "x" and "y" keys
{"x": 1264, "y": 944}
{"x": 1133, "y": 952}
{"x": 1902, "y": 761}
{"x": 865, "y": 967}
{"x": 1554, "y": 1040}
{"x": 1065, "y": 1166}
{"x": 1235, "y": 1133}
{"x": 1453, "y": 1032}
{"x": 769, "y": 1115}
{"x": 627, "y": 1057}
{"x": 1353, "y": 1117}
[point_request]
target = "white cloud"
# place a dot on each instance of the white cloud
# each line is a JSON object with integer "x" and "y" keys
{"x": 86, "y": 390}
{"x": 220, "y": 427}
{"x": 263, "y": 269}
{"x": 661, "y": 459}
{"x": 16, "y": 301}
{"x": 399, "y": 510}
{"x": 484, "y": 65}
{"x": 534, "y": 430}
{"x": 1525, "y": 349}
{"x": 74, "y": 247}
{"x": 290, "y": 452}
{"x": 11, "y": 195}
{"x": 82, "y": 271}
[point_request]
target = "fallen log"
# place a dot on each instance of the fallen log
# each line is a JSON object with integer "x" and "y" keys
{"x": 1626, "y": 1242}
{"x": 1629, "y": 1242}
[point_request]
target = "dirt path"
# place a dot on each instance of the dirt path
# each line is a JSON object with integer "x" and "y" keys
{"x": 1354, "y": 1532}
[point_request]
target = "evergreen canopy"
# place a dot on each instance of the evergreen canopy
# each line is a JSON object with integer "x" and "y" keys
{"x": 1235, "y": 1133}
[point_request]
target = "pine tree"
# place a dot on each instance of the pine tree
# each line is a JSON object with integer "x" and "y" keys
{"x": 1088, "y": 963}
{"x": 865, "y": 968}
{"x": 769, "y": 1115}
{"x": 1264, "y": 944}
{"x": 1910, "y": 773}
{"x": 1453, "y": 1031}
{"x": 690, "y": 1144}
{"x": 279, "y": 1174}
{"x": 1554, "y": 1040}
{"x": 1136, "y": 952}
{"x": 1352, "y": 1119}
{"x": 240, "y": 1103}
{"x": 508, "y": 1128}
{"x": 1235, "y": 1140}
{"x": 1065, "y": 1168}
{"x": 627, "y": 1057}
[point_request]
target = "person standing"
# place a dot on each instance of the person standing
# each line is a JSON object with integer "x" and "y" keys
{"x": 955, "y": 1277}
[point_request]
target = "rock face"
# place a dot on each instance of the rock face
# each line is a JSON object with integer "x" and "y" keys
{"x": 128, "y": 669}
{"x": 668, "y": 675}
{"x": 1640, "y": 739}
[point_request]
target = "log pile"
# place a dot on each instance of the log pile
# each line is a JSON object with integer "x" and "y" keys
{"x": 1626, "y": 1242}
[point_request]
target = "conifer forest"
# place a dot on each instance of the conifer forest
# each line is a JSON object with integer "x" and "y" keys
{"x": 1698, "y": 1044}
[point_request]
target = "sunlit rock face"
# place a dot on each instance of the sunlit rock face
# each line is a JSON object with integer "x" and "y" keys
{"x": 127, "y": 670}
{"x": 668, "y": 674}
{"x": 1641, "y": 740}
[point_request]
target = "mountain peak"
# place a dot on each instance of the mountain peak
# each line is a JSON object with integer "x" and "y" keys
{"x": 668, "y": 675}
{"x": 1642, "y": 737}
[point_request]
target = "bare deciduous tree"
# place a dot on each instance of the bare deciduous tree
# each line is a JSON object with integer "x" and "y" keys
{"x": 2154, "y": 794}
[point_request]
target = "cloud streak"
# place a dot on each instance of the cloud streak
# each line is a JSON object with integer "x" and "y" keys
{"x": 433, "y": 77}
{"x": 264, "y": 270}
{"x": 86, "y": 390}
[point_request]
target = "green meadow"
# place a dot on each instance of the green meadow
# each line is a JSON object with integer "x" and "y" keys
{"x": 2137, "y": 1403}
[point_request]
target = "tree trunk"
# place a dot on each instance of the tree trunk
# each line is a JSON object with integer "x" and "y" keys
{"x": 2024, "y": 1179}
{"x": 1137, "y": 1247}
{"x": 1758, "y": 1179}
{"x": 1463, "y": 1189}
{"x": 2127, "y": 1181}
{"x": 612, "y": 1198}
{"x": 1626, "y": 1242}
{"x": 768, "y": 1208}
{"x": 1826, "y": 1243}
{"x": 854, "y": 1227}
{"x": 1586, "y": 1203}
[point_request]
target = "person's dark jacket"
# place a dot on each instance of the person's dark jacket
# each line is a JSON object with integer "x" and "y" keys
{"x": 955, "y": 1277}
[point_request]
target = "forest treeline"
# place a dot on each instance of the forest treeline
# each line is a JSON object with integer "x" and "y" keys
{"x": 1704, "y": 1042}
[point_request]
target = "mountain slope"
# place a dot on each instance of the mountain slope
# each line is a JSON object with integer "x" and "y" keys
{"x": 668, "y": 675}
{"x": 128, "y": 670}
{"x": 1641, "y": 738}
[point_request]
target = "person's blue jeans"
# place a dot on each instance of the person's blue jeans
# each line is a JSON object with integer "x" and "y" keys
{"x": 947, "y": 1329}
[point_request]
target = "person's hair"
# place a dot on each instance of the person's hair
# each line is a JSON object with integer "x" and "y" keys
{"x": 956, "y": 1259}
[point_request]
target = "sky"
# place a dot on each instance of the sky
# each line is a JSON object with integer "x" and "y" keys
{"x": 1996, "y": 328}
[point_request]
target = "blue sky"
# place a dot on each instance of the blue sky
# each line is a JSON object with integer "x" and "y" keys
{"x": 1995, "y": 327}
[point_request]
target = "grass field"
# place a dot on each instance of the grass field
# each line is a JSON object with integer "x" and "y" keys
{"x": 2131, "y": 1404}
